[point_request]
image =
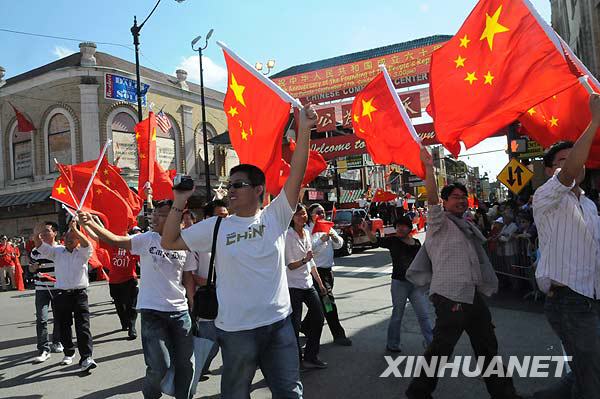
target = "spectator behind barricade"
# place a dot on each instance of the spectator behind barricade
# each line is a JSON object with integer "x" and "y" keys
{"x": 527, "y": 231}
{"x": 483, "y": 222}
{"x": 508, "y": 240}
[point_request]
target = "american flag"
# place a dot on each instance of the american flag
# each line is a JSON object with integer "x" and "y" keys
{"x": 163, "y": 122}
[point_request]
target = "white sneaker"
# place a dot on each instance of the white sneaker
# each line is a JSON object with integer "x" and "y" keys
{"x": 42, "y": 358}
{"x": 88, "y": 364}
{"x": 56, "y": 348}
{"x": 67, "y": 360}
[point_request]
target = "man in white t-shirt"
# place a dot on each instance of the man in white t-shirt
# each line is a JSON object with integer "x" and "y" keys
{"x": 166, "y": 323}
{"x": 253, "y": 323}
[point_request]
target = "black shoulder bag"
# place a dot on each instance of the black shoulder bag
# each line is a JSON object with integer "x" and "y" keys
{"x": 206, "y": 305}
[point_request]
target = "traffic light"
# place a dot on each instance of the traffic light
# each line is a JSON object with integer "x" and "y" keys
{"x": 518, "y": 146}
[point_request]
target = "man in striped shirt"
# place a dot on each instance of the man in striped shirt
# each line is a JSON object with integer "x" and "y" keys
{"x": 569, "y": 266}
{"x": 44, "y": 294}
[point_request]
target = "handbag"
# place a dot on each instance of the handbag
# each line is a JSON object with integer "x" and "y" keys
{"x": 206, "y": 305}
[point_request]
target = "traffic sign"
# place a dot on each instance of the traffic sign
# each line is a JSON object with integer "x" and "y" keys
{"x": 515, "y": 176}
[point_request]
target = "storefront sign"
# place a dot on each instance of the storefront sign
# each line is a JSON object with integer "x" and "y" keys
{"x": 326, "y": 119}
{"x": 314, "y": 195}
{"x": 123, "y": 89}
{"x": 406, "y": 68}
{"x": 347, "y": 116}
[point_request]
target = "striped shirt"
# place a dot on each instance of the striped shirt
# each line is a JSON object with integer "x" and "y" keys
{"x": 45, "y": 271}
{"x": 569, "y": 235}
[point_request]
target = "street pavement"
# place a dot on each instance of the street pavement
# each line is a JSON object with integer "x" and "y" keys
{"x": 362, "y": 293}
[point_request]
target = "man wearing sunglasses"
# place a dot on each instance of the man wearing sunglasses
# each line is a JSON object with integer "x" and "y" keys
{"x": 253, "y": 325}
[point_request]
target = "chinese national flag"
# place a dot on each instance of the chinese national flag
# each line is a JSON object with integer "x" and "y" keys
{"x": 145, "y": 134}
{"x": 383, "y": 196}
{"x": 555, "y": 120}
{"x": 380, "y": 119}
{"x": 23, "y": 124}
{"x": 322, "y": 226}
{"x": 162, "y": 188}
{"x": 256, "y": 118}
{"x": 503, "y": 60}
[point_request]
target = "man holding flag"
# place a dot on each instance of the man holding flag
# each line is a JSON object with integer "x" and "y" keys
{"x": 253, "y": 324}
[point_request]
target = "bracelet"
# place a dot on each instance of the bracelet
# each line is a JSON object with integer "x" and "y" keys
{"x": 173, "y": 208}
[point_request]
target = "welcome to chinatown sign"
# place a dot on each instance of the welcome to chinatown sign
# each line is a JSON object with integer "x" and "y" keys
{"x": 406, "y": 68}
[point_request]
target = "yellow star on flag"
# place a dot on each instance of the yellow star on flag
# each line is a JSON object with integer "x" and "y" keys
{"x": 105, "y": 171}
{"x": 492, "y": 27}
{"x": 531, "y": 111}
{"x": 356, "y": 118}
{"x": 471, "y": 77}
{"x": 488, "y": 78}
{"x": 142, "y": 156}
{"x": 137, "y": 136}
{"x": 107, "y": 182}
{"x": 368, "y": 108}
{"x": 244, "y": 135}
{"x": 153, "y": 134}
{"x": 460, "y": 61}
{"x": 553, "y": 121}
{"x": 238, "y": 90}
{"x": 98, "y": 191}
{"x": 60, "y": 189}
{"x": 233, "y": 111}
{"x": 464, "y": 42}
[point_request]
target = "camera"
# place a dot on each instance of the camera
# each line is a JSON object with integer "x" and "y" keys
{"x": 183, "y": 183}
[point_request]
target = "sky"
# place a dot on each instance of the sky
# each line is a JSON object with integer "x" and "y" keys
{"x": 289, "y": 32}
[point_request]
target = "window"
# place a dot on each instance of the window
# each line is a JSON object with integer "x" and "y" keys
{"x": 22, "y": 159}
{"x": 59, "y": 141}
{"x": 166, "y": 146}
{"x": 124, "y": 144}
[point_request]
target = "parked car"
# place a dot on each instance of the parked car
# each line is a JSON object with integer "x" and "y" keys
{"x": 347, "y": 224}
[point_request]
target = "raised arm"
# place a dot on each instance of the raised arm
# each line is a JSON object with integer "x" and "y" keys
{"x": 581, "y": 150}
{"x": 171, "y": 234}
{"x": 430, "y": 183}
{"x": 105, "y": 235}
{"x": 83, "y": 240}
{"x": 308, "y": 118}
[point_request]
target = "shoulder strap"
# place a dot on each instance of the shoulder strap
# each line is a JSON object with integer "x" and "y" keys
{"x": 211, "y": 278}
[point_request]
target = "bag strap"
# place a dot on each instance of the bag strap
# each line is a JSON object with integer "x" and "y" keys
{"x": 212, "y": 277}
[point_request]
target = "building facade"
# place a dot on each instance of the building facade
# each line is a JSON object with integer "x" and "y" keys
{"x": 578, "y": 23}
{"x": 79, "y": 102}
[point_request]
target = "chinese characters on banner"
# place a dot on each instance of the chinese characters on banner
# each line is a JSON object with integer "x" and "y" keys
{"x": 406, "y": 68}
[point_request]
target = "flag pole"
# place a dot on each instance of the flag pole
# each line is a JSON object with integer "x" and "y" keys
{"x": 400, "y": 106}
{"x": 87, "y": 189}
{"x": 272, "y": 85}
{"x": 586, "y": 84}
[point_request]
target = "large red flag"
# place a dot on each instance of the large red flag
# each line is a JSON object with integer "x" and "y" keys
{"x": 257, "y": 112}
{"x": 380, "y": 119}
{"x": 503, "y": 60}
{"x": 383, "y": 196}
{"x": 23, "y": 124}
{"x": 316, "y": 163}
{"x": 145, "y": 134}
{"x": 162, "y": 188}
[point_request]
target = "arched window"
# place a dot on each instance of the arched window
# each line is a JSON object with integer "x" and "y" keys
{"x": 59, "y": 141}
{"x": 124, "y": 144}
{"x": 21, "y": 153}
{"x": 166, "y": 146}
{"x": 210, "y": 132}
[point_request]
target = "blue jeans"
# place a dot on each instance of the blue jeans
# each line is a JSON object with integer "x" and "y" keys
{"x": 271, "y": 347}
{"x": 43, "y": 300}
{"x": 207, "y": 329}
{"x": 401, "y": 290}
{"x": 166, "y": 339}
{"x": 576, "y": 320}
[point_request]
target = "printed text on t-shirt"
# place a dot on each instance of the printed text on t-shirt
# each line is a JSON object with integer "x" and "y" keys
{"x": 251, "y": 233}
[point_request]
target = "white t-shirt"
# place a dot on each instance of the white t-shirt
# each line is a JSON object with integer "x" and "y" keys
{"x": 198, "y": 262}
{"x": 161, "y": 287}
{"x": 296, "y": 248}
{"x": 71, "y": 269}
{"x": 251, "y": 283}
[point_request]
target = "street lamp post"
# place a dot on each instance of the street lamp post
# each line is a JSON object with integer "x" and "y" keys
{"x": 269, "y": 64}
{"x": 204, "y": 132}
{"x": 135, "y": 32}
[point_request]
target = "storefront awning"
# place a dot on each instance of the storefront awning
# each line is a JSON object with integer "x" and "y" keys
{"x": 24, "y": 198}
{"x": 221, "y": 139}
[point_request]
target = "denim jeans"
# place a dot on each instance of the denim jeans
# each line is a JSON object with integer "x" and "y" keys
{"x": 43, "y": 299}
{"x": 401, "y": 290}
{"x": 207, "y": 329}
{"x": 271, "y": 347}
{"x": 576, "y": 320}
{"x": 166, "y": 340}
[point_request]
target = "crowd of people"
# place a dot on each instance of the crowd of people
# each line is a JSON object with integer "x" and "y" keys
{"x": 272, "y": 260}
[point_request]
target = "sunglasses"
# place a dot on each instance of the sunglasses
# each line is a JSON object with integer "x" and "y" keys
{"x": 237, "y": 185}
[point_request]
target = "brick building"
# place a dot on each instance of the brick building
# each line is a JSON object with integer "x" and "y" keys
{"x": 73, "y": 108}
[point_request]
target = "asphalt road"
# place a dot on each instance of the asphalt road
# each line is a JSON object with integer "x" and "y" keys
{"x": 362, "y": 294}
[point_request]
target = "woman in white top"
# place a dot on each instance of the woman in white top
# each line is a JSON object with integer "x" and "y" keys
{"x": 323, "y": 245}
{"x": 300, "y": 267}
